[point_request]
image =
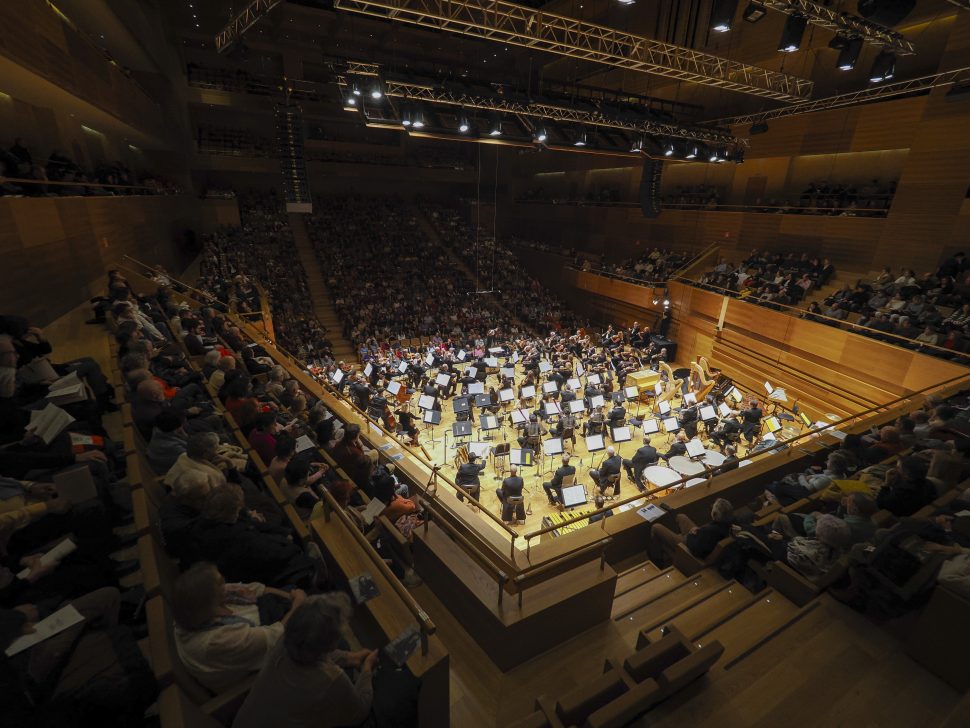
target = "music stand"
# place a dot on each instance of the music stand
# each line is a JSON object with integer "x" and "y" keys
{"x": 491, "y": 361}
{"x": 483, "y": 400}
{"x": 576, "y": 406}
{"x": 426, "y": 402}
{"x": 337, "y": 377}
{"x": 487, "y": 423}
{"x": 580, "y": 369}
{"x": 515, "y": 357}
{"x": 735, "y": 394}
{"x": 461, "y": 355}
{"x": 460, "y": 405}
{"x": 574, "y": 383}
{"x": 528, "y": 392}
{"x": 707, "y": 413}
{"x": 631, "y": 393}
{"x": 402, "y": 368}
{"x": 689, "y": 398}
{"x": 393, "y": 388}
{"x": 621, "y": 434}
{"x": 597, "y": 401}
{"x": 617, "y": 398}
{"x": 593, "y": 379}
{"x": 671, "y": 426}
{"x": 481, "y": 449}
{"x": 507, "y": 372}
{"x": 551, "y": 409}
{"x": 658, "y": 389}
{"x": 651, "y": 426}
{"x": 506, "y": 395}
{"x": 442, "y": 380}
{"x": 594, "y": 443}
{"x": 524, "y": 458}
{"x": 471, "y": 371}
{"x": 724, "y": 410}
{"x": 574, "y": 495}
{"x": 461, "y": 429}
{"x": 429, "y": 359}
{"x": 695, "y": 448}
{"x": 518, "y": 418}
{"x": 545, "y": 366}
{"x": 806, "y": 420}
{"x": 772, "y": 424}
{"x": 368, "y": 370}
{"x": 550, "y": 387}
{"x": 664, "y": 407}
{"x": 433, "y": 418}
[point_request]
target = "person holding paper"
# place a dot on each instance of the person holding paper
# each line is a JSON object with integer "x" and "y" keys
{"x": 219, "y": 634}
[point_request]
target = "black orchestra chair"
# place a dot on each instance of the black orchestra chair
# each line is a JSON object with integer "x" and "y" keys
{"x": 513, "y": 510}
{"x": 612, "y": 481}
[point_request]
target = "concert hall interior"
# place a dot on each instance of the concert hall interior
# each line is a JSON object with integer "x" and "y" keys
{"x": 531, "y": 364}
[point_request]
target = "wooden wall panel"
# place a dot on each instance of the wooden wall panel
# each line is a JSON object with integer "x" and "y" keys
{"x": 56, "y": 250}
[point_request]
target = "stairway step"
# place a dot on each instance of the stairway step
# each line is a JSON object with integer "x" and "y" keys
{"x": 665, "y": 581}
{"x": 634, "y": 577}
{"x": 693, "y": 590}
{"x": 706, "y": 614}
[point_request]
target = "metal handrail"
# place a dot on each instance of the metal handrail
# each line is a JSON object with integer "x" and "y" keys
{"x": 59, "y": 183}
{"x": 852, "y": 419}
{"x": 875, "y": 212}
{"x": 806, "y": 314}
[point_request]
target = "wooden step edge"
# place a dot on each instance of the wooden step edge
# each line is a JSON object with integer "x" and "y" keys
{"x": 640, "y": 605}
{"x": 731, "y": 613}
{"x": 702, "y": 596}
{"x": 648, "y": 579}
{"x": 794, "y": 619}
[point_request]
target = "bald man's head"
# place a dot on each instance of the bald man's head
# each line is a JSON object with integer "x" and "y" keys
{"x": 151, "y": 390}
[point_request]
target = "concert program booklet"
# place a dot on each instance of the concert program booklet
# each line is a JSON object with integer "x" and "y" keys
{"x": 400, "y": 648}
{"x": 363, "y": 588}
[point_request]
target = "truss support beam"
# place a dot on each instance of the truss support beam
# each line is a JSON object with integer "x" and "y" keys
{"x": 846, "y": 24}
{"x": 537, "y": 110}
{"x": 512, "y": 24}
{"x": 250, "y": 15}
{"x": 868, "y": 95}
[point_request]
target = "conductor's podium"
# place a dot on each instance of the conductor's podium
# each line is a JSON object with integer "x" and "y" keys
{"x": 643, "y": 380}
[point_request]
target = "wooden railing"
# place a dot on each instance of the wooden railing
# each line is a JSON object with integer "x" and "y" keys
{"x": 145, "y": 189}
{"x": 699, "y": 207}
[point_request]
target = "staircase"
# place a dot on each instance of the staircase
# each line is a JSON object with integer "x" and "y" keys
{"x": 319, "y": 294}
{"x": 289, "y": 143}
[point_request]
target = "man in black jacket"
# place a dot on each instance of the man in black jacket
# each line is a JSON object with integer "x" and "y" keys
{"x": 677, "y": 447}
{"x": 643, "y": 457}
{"x": 700, "y": 540}
{"x": 609, "y": 467}
{"x": 467, "y": 478}
{"x": 553, "y": 487}
{"x": 511, "y": 488}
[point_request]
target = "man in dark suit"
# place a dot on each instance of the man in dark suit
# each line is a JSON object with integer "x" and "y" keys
{"x": 688, "y": 420}
{"x": 643, "y": 457}
{"x": 751, "y": 421}
{"x": 677, "y": 447}
{"x": 511, "y": 488}
{"x": 567, "y": 395}
{"x": 617, "y": 414}
{"x": 533, "y": 432}
{"x": 731, "y": 461}
{"x": 467, "y": 478}
{"x": 609, "y": 467}
{"x": 553, "y": 487}
{"x": 360, "y": 393}
{"x": 722, "y": 435}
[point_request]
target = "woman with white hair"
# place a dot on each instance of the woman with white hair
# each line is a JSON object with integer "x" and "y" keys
{"x": 218, "y": 631}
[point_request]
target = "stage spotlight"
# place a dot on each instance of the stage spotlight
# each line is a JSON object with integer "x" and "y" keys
{"x": 692, "y": 153}
{"x": 541, "y": 135}
{"x": 351, "y": 101}
{"x": 884, "y": 67}
{"x": 627, "y": 2}
{"x": 496, "y": 128}
{"x": 666, "y": 302}
{"x": 722, "y": 15}
{"x": 463, "y": 125}
{"x": 849, "y": 54}
{"x": 355, "y": 89}
{"x": 406, "y": 118}
{"x": 637, "y": 146}
{"x": 581, "y": 140}
{"x": 375, "y": 91}
{"x": 418, "y": 121}
{"x": 669, "y": 151}
{"x": 755, "y": 12}
{"x": 791, "y": 36}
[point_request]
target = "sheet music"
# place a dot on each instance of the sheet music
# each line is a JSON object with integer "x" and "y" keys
{"x": 60, "y": 620}
{"x": 481, "y": 449}
{"x": 506, "y": 395}
{"x": 402, "y": 367}
{"x": 426, "y": 401}
{"x": 545, "y": 366}
{"x": 593, "y": 379}
{"x": 670, "y": 424}
{"x": 552, "y": 447}
{"x": 393, "y": 387}
{"x": 476, "y": 388}
{"x": 442, "y": 380}
{"x": 489, "y": 422}
{"x": 471, "y": 371}
{"x": 664, "y": 407}
{"x": 491, "y": 361}
{"x": 574, "y": 383}
{"x": 508, "y": 372}
{"x": 724, "y": 409}
{"x": 550, "y": 387}
{"x": 620, "y": 434}
{"x": 650, "y": 426}
{"x": 528, "y": 392}
{"x": 695, "y": 448}
{"x": 551, "y": 409}
{"x": 368, "y": 370}
{"x": 631, "y": 392}
{"x": 594, "y": 443}
{"x": 519, "y": 417}
{"x": 597, "y": 401}
{"x": 304, "y": 443}
{"x": 576, "y": 406}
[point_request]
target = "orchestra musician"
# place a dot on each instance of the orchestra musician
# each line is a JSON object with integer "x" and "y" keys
{"x": 725, "y": 431}
{"x": 566, "y": 426}
{"x": 645, "y": 456}
{"x": 688, "y": 419}
{"x": 533, "y": 433}
{"x": 467, "y": 478}
{"x": 731, "y": 461}
{"x": 617, "y": 415}
{"x": 751, "y": 421}
{"x": 594, "y": 424}
{"x": 407, "y": 421}
{"x": 610, "y": 466}
{"x": 511, "y": 487}
{"x": 677, "y": 447}
{"x": 553, "y": 488}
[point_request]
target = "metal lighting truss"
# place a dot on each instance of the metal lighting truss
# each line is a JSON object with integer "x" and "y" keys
{"x": 852, "y": 25}
{"x": 536, "y": 109}
{"x": 253, "y": 12}
{"x": 962, "y": 4}
{"x": 505, "y": 22}
{"x": 875, "y": 93}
